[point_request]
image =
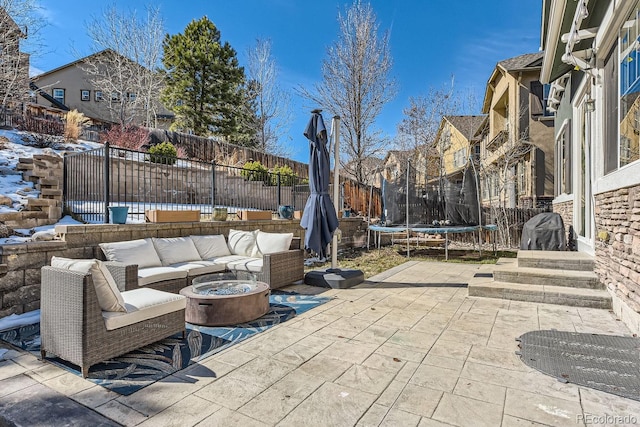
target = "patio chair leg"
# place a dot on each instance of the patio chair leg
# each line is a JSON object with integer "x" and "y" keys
{"x": 85, "y": 371}
{"x": 184, "y": 333}
{"x": 43, "y": 354}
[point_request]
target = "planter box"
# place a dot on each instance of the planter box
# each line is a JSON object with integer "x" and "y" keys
{"x": 250, "y": 215}
{"x": 155, "y": 215}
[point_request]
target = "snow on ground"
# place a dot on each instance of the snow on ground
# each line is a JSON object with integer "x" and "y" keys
{"x": 13, "y": 146}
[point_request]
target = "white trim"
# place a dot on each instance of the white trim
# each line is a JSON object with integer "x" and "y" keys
{"x": 629, "y": 175}
{"x": 563, "y": 198}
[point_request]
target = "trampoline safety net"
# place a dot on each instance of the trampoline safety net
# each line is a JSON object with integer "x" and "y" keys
{"x": 430, "y": 200}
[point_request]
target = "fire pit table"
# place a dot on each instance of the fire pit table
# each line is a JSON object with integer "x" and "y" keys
{"x": 222, "y": 300}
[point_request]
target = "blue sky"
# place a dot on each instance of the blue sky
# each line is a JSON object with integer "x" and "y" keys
{"x": 431, "y": 40}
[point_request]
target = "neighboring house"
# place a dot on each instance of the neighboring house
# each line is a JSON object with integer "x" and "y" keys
{"x": 592, "y": 63}
{"x": 14, "y": 65}
{"x": 456, "y": 144}
{"x": 372, "y": 167}
{"x": 394, "y": 164}
{"x": 517, "y": 145}
{"x": 70, "y": 87}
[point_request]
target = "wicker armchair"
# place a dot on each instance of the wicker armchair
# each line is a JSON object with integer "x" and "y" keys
{"x": 72, "y": 326}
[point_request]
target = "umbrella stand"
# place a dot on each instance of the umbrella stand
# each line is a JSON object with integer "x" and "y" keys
{"x": 334, "y": 277}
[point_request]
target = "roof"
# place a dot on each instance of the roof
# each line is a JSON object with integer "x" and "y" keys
{"x": 522, "y": 62}
{"x": 467, "y": 125}
{"x": 78, "y": 61}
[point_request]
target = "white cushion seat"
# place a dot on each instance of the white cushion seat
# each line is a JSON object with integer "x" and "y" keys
{"x": 147, "y": 276}
{"x": 143, "y": 304}
{"x": 254, "y": 265}
{"x": 196, "y": 268}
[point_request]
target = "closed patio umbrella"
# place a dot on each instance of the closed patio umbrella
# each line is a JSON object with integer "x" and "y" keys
{"x": 319, "y": 218}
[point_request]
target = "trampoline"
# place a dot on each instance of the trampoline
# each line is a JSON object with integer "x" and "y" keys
{"x": 414, "y": 202}
{"x": 378, "y": 230}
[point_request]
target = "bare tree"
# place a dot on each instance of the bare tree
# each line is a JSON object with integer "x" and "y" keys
{"x": 356, "y": 85}
{"x": 127, "y": 70}
{"x": 19, "y": 37}
{"x": 270, "y": 101}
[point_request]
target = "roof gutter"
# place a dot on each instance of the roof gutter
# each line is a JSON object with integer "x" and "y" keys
{"x": 553, "y": 36}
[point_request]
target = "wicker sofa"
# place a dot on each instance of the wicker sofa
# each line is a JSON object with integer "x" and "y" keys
{"x": 170, "y": 264}
{"x": 76, "y": 326}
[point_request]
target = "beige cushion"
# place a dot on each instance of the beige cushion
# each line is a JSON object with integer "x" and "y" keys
{"x": 143, "y": 304}
{"x": 199, "y": 267}
{"x": 140, "y": 252}
{"x": 268, "y": 243}
{"x": 242, "y": 242}
{"x": 211, "y": 246}
{"x": 149, "y": 275}
{"x": 172, "y": 250}
{"x": 109, "y": 296}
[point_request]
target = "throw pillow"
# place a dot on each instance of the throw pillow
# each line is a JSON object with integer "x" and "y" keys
{"x": 268, "y": 243}
{"x": 109, "y": 296}
{"x": 140, "y": 252}
{"x": 173, "y": 250}
{"x": 211, "y": 246}
{"x": 242, "y": 242}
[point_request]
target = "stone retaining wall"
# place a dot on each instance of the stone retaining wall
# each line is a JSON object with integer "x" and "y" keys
{"x": 565, "y": 210}
{"x": 618, "y": 251}
{"x": 20, "y": 264}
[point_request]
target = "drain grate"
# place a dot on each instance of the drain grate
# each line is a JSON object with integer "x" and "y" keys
{"x": 604, "y": 362}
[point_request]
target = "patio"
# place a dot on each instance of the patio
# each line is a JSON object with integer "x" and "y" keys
{"x": 408, "y": 347}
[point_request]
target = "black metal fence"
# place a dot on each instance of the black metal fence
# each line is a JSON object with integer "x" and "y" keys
{"x": 111, "y": 176}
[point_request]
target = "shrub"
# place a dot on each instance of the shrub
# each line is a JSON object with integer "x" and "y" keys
{"x": 255, "y": 171}
{"x": 164, "y": 153}
{"x": 287, "y": 176}
{"x": 74, "y": 122}
{"x": 130, "y": 136}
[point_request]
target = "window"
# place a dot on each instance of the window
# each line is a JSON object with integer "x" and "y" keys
{"x": 539, "y": 99}
{"x": 115, "y": 97}
{"x": 98, "y": 96}
{"x": 131, "y": 96}
{"x": 460, "y": 158}
{"x": 85, "y": 95}
{"x": 58, "y": 95}
{"x": 563, "y": 159}
{"x": 520, "y": 178}
{"x": 629, "y": 99}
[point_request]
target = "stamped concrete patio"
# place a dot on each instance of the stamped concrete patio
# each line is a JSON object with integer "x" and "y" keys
{"x": 406, "y": 348}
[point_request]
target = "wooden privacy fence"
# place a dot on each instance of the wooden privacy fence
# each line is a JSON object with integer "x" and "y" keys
{"x": 359, "y": 196}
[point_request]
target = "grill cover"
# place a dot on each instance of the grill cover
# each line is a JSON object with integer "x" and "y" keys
{"x": 544, "y": 232}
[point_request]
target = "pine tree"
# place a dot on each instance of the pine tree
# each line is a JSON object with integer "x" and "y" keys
{"x": 204, "y": 83}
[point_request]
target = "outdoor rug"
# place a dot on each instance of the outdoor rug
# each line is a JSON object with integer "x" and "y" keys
{"x": 131, "y": 372}
{"x": 604, "y": 362}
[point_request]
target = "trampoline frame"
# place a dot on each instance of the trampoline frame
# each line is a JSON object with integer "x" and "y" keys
{"x": 379, "y": 230}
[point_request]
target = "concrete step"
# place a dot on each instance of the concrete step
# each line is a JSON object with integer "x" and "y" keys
{"x": 558, "y": 260}
{"x": 546, "y": 276}
{"x": 575, "y": 297}
{"x": 51, "y": 192}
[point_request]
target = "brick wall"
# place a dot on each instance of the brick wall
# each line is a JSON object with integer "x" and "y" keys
{"x": 20, "y": 264}
{"x": 618, "y": 251}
